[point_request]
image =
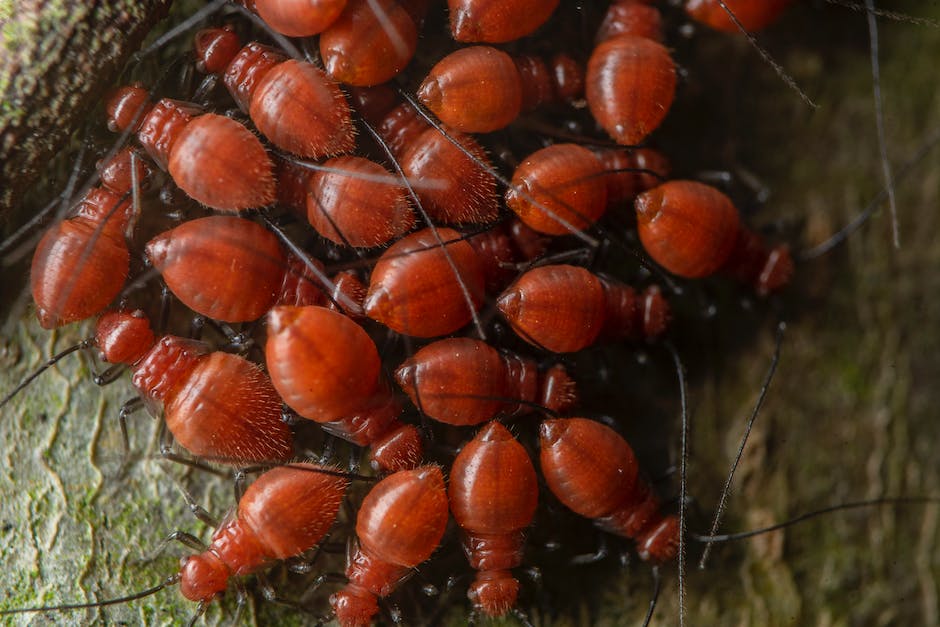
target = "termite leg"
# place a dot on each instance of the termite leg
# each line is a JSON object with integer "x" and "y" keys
{"x": 128, "y": 408}
{"x": 109, "y": 376}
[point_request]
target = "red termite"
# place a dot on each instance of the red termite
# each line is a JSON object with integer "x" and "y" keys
{"x": 356, "y": 202}
{"x": 81, "y": 264}
{"x": 460, "y": 187}
{"x": 327, "y": 369}
{"x": 212, "y": 158}
{"x": 630, "y": 84}
{"x": 751, "y": 15}
{"x": 284, "y": 513}
{"x": 631, "y": 17}
{"x": 493, "y": 496}
{"x": 391, "y": 30}
{"x": 455, "y": 183}
{"x": 497, "y": 21}
{"x": 293, "y": 103}
{"x": 217, "y": 406}
{"x": 558, "y": 190}
{"x": 399, "y": 525}
{"x": 592, "y": 471}
{"x": 693, "y": 230}
{"x": 427, "y": 284}
{"x": 234, "y": 270}
{"x": 298, "y": 18}
{"x": 480, "y": 89}
{"x": 565, "y": 308}
{"x": 465, "y": 381}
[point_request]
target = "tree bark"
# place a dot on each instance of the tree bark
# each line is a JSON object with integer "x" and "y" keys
{"x": 56, "y": 57}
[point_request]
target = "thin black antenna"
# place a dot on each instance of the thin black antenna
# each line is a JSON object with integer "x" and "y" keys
{"x": 843, "y": 234}
{"x": 880, "y": 119}
{"x": 683, "y": 473}
{"x": 169, "y": 581}
{"x": 900, "y": 500}
{"x": 657, "y": 584}
{"x": 86, "y": 343}
{"x": 782, "y": 73}
{"x": 891, "y": 15}
{"x": 179, "y": 29}
{"x": 341, "y": 300}
{"x": 726, "y": 490}
{"x": 464, "y": 290}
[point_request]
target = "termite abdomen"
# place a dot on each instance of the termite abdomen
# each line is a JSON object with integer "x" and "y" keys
{"x": 565, "y": 308}
{"x": 464, "y": 381}
{"x": 284, "y": 513}
{"x": 493, "y": 496}
{"x": 592, "y": 470}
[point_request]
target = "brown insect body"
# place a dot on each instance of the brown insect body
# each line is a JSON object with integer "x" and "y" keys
{"x": 493, "y": 496}
{"x": 235, "y": 270}
{"x": 299, "y": 18}
{"x": 753, "y": 16}
{"x": 693, "y": 230}
{"x": 559, "y": 190}
{"x": 480, "y": 89}
{"x": 217, "y": 405}
{"x": 400, "y": 523}
{"x": 293, "y": 103}
{"x": 350, "y": 204}
{"x": 540, "y": 308}
{"x": 497, "y": 21}
{"x": 631, "y": 78}
{"x": 392, "y": 34}
{"x": 416, "y": 291}
{"x": 327, "y": 369}
{"x": 81, "y": 263}
{"x": 592, "y": 470}
{"x": 212, "y": 158}
{"x": 284, "y": 513}
{"x": 464, "y": 381}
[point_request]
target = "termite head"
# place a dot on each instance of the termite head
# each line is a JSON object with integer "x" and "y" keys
{"x": 203, "y": 577}
{"x": 123, "y": 337}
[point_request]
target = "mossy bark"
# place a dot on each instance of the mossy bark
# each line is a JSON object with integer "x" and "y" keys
{"x": 56, "y": 57}
{"x": 850, "y": 415}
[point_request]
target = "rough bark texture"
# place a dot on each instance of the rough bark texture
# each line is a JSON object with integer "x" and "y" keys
{"x": 56, "y": 56}
{"x": 851, "y": 414}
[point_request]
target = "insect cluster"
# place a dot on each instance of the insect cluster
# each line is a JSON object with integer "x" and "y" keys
{"x": 404, "y": 281}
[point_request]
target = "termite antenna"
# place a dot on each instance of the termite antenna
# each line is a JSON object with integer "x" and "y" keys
{"x": 336, "y": 296}
{"x": 843, "y": 234}
{"x": 782, "y": 73}
{"x": 891, "y": 15}
{"x": 880, "y": 119}
{"x": 303, "y": 466}
{"x": 657, "y": 584}
{"x": 86, "y": 343}
{"x": 726, "y": 490}
{"x": 169, "y": 581}
{"x": 683, "y": 472}
{"x": 62, "y": 200}
{"x": 898, "y": 500}
{"x": 179, "y": 29}
{"x": 464, "y": 289}
{"x": 200, "y": 610}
